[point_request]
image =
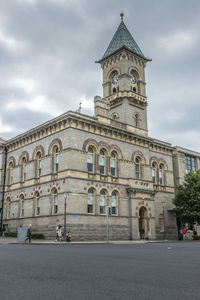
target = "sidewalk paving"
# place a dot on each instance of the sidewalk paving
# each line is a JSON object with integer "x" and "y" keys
{"x": 9, "y": 240}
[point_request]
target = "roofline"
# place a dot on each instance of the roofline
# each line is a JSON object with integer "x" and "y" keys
{"x": 121, "y": 48}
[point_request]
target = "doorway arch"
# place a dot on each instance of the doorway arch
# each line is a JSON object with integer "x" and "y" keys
{"x": 143, "y": 221}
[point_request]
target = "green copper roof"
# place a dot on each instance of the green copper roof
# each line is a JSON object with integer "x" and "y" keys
{"x": 122, "y": 38}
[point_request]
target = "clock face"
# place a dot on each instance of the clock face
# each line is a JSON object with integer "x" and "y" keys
{"x": 115, "y": 78}
{"x": 133, "y": 78}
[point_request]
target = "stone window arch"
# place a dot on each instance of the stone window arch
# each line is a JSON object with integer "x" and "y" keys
{"x": 54, "y": 150}
{"x": 138, "y": 167}
{"x": 91, "y": 201}
{"x": 137, "y": 120}
{"x": 54, "y": 194}
{"x": 10, "y": 172}
{"x": 8, "y": 201}
{"x": 161, "y": 174}
{"x": 113, "y": 163}
{"x": 38, "y": 164}
{"x": 91, "y": 155}
{"x": 22, "y": 208}
{"x": 23, "y": 160}
{"x": 115, "y": 116}
{"x": 154, "y": 172}
{"x": 103, "y": 201}
{"x": 102, "y": 161}
{"x": 37, "y": 203}
{"x": 114, "y": 202}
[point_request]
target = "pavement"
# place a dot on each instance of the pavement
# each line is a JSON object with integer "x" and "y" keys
{"x": 9, "y": 240}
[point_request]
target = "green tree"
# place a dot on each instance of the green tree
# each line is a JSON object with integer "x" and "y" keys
{"x": 187, "y": 198}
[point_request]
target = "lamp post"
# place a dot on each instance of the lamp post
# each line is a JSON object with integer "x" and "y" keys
{"x": 164, "y": 232}
{"x": 108, "y": 213}
{"x": 65, "y": 214}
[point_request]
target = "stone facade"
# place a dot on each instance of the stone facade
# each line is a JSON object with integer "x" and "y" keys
{"x": 106, "y": 163}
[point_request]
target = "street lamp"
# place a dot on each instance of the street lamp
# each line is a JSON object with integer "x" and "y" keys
{"x": 107, "y": 217}
{"x": 164, "y": 232}
{"x": 65, "y": 214}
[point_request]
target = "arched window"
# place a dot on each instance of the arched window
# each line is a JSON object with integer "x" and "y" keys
{"x": 22, "y": 206}
{"x": 37, "y": 203}
{"x": 136, "y": 120}
{"x": 23, "y": 169}
{"x": 102, "y": 202}
{"x": 55, "y": 159}
{"x": 10, "y": 173}
{"x": 102, "y": 162}
{"x": 55, "y": 202}
{"x": 90, "y": 207}
{"x": 138, "y": 167}
{"x": 133, "y": 78}
{"x": 114, "y": 203}
{"x": 161, "y": 174}
{"x": 8, "y": 208}
{"x": 154, "y": 172}
{"x": 38, "y": 164}
{"x": 113, "y": 164}
{"x": 90, "y": 160}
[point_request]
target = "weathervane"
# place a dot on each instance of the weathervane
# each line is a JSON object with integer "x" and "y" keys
{"x": 122, "y": 15}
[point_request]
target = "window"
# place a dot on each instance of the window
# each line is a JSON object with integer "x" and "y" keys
{"x": 137, "y": 167}
{"x": 161, "y": 174}
{"x": 23, "y": 170}
{"x": 102, "y": 162}
{"x": 136, "y": 120}
{"x": 154, "y": 172}
{"x": 90, "y": 201}
{"x": 55, "y": 202}
{"x": 190, "y": 164}
{"x": 22, "y": 206}
{"x": 55, "y": 159}
{"x": 9, "y": 208}
{"x": 102, "y": 202}
{"x": 90, "y": 160}
{"x": 115, "y": 116}
{"x": 37, "y": 198}
{"x": 10, "y": 173}
{"x": 113, "y": 164}
{"x": 38, "y": 164}
{"x": 114, "y": 203}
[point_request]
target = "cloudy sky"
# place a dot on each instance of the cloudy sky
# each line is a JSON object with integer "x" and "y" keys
{"x": 48, "y": 49}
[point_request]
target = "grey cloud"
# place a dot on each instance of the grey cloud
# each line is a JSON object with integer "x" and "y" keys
{"x": 60, "y": 41}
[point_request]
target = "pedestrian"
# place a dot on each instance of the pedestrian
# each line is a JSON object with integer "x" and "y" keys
{"x": 57, "y": 228}
{"x": 3, "y": 231}
{"x": 184, "y": 233}
{"x": 142, "y": 232}
{"x": 69, "y": 236}
{"x": 28, "y": 233}
{"x": 59, "y": 233}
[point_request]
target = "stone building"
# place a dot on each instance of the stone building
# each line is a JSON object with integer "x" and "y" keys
{"x": 118, "y": 180}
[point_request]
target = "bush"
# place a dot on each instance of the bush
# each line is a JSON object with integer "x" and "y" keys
{"x": 38, "y": 236}
{"x": 196, "y": 237}
{"x": 10, "y": 234}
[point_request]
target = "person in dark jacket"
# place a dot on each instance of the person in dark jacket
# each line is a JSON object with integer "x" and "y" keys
{"x": 28, "y": 233}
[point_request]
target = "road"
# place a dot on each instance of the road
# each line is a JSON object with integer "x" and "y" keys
{"x": 100, "y": 271}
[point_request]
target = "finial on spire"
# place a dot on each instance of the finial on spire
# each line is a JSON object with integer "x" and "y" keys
{"x": 122, "y": 15}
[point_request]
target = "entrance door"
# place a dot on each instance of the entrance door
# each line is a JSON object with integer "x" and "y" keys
{"x": 143, "y": 221}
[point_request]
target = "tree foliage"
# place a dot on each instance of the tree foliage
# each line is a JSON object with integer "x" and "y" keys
{"x": 187, "y": 198}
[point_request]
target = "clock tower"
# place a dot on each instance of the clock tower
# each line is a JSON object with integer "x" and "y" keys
{"x": 123, "y": 65}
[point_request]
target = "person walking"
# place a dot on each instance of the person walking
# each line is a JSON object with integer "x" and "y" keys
{"x": 184, "y": 233}
{"x": 142, "y": 232}
{"x": 28, "y": 233}
{"x": 59, "y": 233}
{"x": 3, "y": 231}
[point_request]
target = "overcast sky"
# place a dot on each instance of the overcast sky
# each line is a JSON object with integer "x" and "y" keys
{"x": 48, "y": 50}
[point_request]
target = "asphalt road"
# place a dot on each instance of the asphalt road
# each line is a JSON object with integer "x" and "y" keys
{"x": 100, "y": 271}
